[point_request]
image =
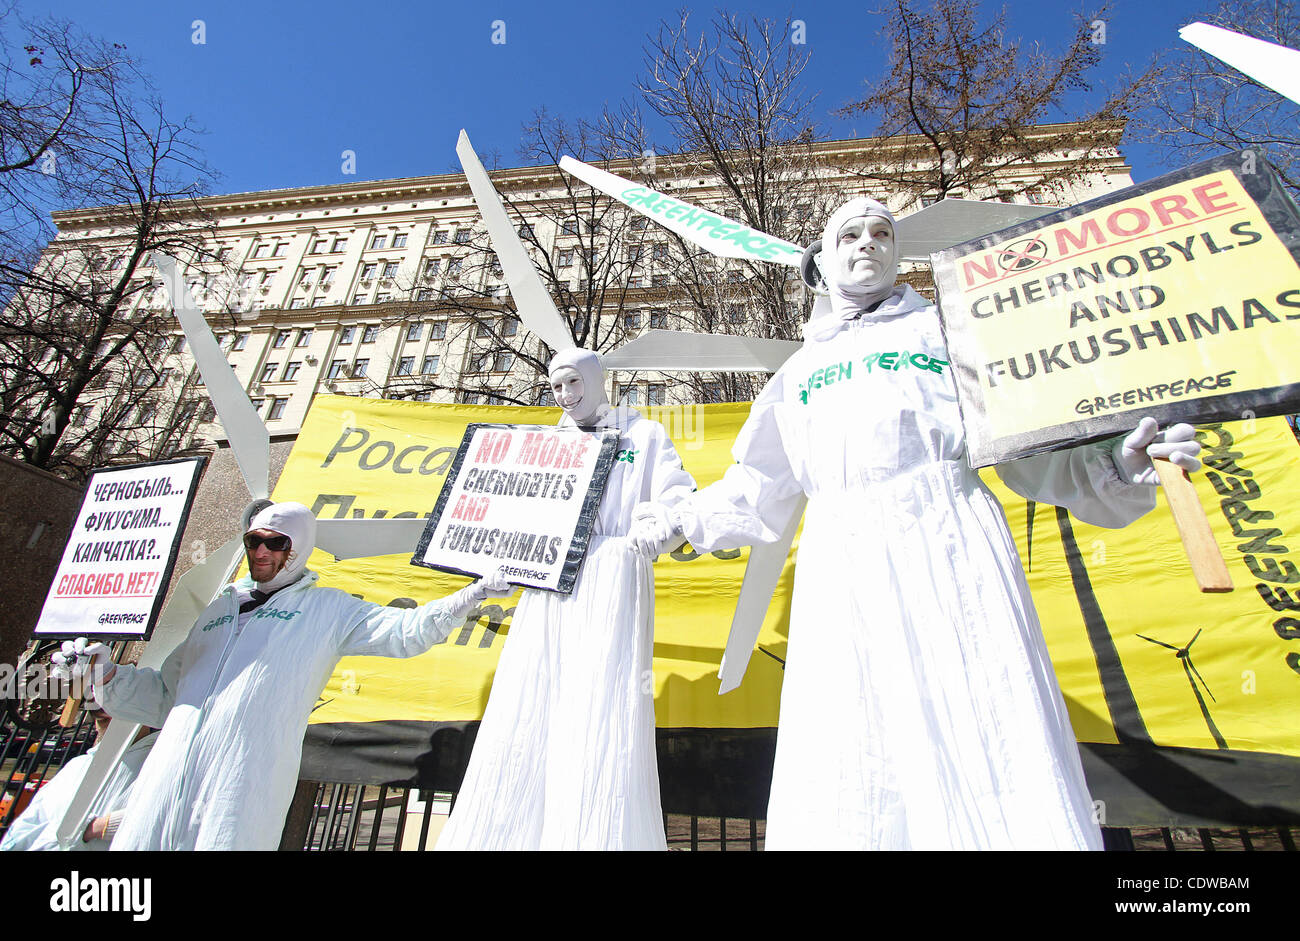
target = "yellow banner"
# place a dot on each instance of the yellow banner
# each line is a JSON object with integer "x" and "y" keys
{"x": 1115, "y": 619}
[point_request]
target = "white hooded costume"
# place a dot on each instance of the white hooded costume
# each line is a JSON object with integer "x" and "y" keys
{"x": 919, "y": 707}
{"x": 565, "y": 755}
{"x": 232, "y": 701}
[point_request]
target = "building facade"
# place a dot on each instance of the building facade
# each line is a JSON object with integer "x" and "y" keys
{"x": 391, "y": 289}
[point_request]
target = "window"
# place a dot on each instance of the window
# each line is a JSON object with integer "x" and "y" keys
{"x": 659, "y": 281}
{"x": 399, "y": 240}
{"x": 462, "y": 236}
{"x": 734, "y": 276}
{"x": 320, "y": 302}
{"x": 422, "y": 396}
{"x": 378, "y": 241}
{"x": 265, "y": 277}
{"x": 368, "y": 271}
{"x": 454, "y": 265}
{"x": 547, "y": 398}
{"x": 297, "y": 303}
{"x": 660, "y": 252}
{"x": 318, "y": 246}
{"x": 509, "y": 326}
{"x": 262, "y": 251}
{"x": 635, "y": 281}
{"x": 593, "y": 226}
{"x": 639, "y": 223}
{"x": 569, "y": 227}
{"x": 304, "y": 278}
{"x": 712, "y": 392}
{"x": 424, "y": 294}
{"x": 257, "y": 404}
{"x": 413, "y": 331}
{"x": 268, "y": 372}
{"x": 429, "y": 366}
{"x": 345, "y": 335}
{"x": 281, "y": 338}
{"x": 178, "y": 343}
{"x": 632, "y": 396}
{"x": 291, "y": 370}
{"x": 431, "y": 266}
{"x": 340, "y": 245}
{"x": 335, "y": 367}
{"x": 656, "y": 396}
{"x": 281, "y": 249}
{"x": 304, "y": 336}
{"x": 223, "y": 255}
{"x": 241, "y": 341}
{"x": 246, "y": 280}
{"x": 369, "y": 333}
{"x": 633, "y": 253}
{"x": 277, "y": 408}
{"x": 383, "y": 298}
{"x": 735, "y": 313}
{"x": 209, "y": 413}
{"x": 438, "y": 330}
{"x": 327, "y": 276}
{"x": 406, "y": 365}
{"x": 483, "y": 329}
{"x": 526, "y": 232}
{"x": 632, "y": 320}
{"x": 359, "y": 367}
{"x": 659, "y": 319}
{"x": 503, "y": 361}
{"x": 358, "y": 299}
{"x": 566, "y": 257}
{"x": 390, "y": 269}
{"x": 439, "y": 237}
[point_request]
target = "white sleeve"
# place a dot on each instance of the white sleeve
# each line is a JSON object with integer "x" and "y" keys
{"x": 669, "y": 483}
{"x": 757, "y": 496}
{"x": 140, "y": 694}
{"x": 1084, "y": 481}
{"x": 400, "y": 632}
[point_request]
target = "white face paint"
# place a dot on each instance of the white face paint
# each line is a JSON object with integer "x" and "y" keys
{"x": 569, "y": 391}
{"x": 864, "y": 252}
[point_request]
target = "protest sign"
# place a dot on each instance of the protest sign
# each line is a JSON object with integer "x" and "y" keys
{"x": 522, "y": 496}
{"x": 113, "y": 576}
{"x": 1178, "y": 299}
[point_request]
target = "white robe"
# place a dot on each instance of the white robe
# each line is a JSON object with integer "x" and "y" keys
{"x": 919, "y": 708}
{"x": 37, "y": 827}
{"x": 233, "y": 703}
{"x": 565, "y": 755}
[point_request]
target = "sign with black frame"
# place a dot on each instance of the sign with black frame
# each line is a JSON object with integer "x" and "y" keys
{"x": 1178, "y": 299}
{"x": 520, "y": 496}
{"x": 113, "y": 577}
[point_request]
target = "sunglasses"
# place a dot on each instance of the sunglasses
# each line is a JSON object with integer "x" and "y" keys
{"x": 274, "y": 543}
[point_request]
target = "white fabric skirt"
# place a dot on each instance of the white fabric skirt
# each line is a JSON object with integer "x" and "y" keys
{"x": 565, "y": 755}
{"x": 919, "y": 708}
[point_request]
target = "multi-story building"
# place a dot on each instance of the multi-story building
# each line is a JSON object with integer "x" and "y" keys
{"x": 390, "y": 289}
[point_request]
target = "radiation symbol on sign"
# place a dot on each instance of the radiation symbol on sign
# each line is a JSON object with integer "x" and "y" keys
{"x": 1022, "y": 255}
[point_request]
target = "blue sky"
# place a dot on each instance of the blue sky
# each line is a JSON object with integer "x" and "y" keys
{"x": 283, "y": 87}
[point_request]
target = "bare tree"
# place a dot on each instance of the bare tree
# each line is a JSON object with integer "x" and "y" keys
{"x": 75, "y": 335}
{"x": 1202, "y": 107}
{"x": 963, "y": 103}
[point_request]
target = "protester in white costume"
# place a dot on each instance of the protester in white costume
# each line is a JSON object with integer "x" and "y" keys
{"x": 234, "y": 698}
{"x": 565, "y": 754}
{"x": 37, "y": 827}
{"x": 919, "y": 707}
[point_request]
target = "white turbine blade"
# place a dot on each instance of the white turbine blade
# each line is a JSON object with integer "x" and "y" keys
{"x": 761, "y": 575}
{"x": 244, "y": 429}
{"x": 950, "y": 222}
{"x": 678, "y": 351}
{"x": 1277, "y": 67}
{"x": 356, "y": 539}
{"x": 194, "y": 591}
{"x": 536, "y": 309}
{"x": 717, "y": 234}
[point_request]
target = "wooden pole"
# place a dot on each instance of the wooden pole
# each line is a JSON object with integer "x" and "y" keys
{"x": 1198, "y": 539}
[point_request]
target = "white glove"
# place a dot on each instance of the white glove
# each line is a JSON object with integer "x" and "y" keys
{"x": 653, "y": 529}
{"x": 494, "y": 584}
{"x": 80, "y": 661}
{"x": 1132, "y": 455}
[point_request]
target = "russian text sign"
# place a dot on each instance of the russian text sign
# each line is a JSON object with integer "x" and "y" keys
{"x": 521, "y": 496}
{"x": 1179, "y": 299}
{"x": 115, "y": 568}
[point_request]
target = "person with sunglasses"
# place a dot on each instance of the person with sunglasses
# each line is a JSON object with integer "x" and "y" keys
{"x": 234, "y": 697}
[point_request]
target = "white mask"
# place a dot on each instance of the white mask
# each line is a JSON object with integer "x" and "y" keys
{"x": 859, "y": 257}
{"x": 578, "y": 384}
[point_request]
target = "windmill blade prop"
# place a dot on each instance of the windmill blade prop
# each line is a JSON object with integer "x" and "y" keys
{"x": 536, "y": 309}
{"x": 192, "y": 593}
{"x": 356, "y": 539}
{"x": 1277, "y": 67}
{"x": 244, "y": 429}
{"x": 678, "y": 351}
{"x": 950, "y": 222}
{"x": 718, "y": 234}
